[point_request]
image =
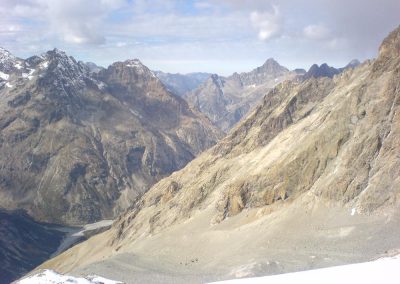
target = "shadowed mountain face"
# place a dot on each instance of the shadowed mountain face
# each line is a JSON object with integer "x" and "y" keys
{"x": 181, "y": 84}
{"x": 325, "y": 70}
{"x": 225, "y": 100}
{"x": 79, "y": 146}
{"x": 24, "y": 244}
{"x": 314, "y": 170}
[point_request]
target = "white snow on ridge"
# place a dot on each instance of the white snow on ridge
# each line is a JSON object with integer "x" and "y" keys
{"x": 51, "y": 277}
{"x": 44, "y": 65}
{"x": 384, "y": 270}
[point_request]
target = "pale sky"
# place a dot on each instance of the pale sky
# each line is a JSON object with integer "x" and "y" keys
{"x": 200, "y": 35}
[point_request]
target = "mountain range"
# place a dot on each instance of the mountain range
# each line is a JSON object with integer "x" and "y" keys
{"x": 307, "y": 176}
{"x": 181, "y": 84}
{"x": 225, "y": 100}
{"x": 309, "y": 179}
{"x": 79, "y": 146}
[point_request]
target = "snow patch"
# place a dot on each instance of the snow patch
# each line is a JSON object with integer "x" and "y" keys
{"x": 101, "y": 85}
{"x": 4, "y": 76}
{"x": 98, "y": 279}
{"x": 139, "y": 67}
{"x": 132, "y": 65}
{"x": 381, "y": 270}
{"x": 52, "y": 277}
{"x": 28, "y": 75}
{"x": 18, "y": 65}
{"x": 135, "y": 63}
{"x": 8, "y": 85}
{"x": 44, "y": 65}
{"x": 353, "y": 211}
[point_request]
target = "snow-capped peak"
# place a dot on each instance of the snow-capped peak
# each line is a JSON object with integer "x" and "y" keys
{"x": 133, "y": 63}
{"x": 59, "y": 71}
{"x": 8, "y": 62}
{"x": 62, "y": 64}
{"x": 139, "y": 67}
{"x": 5, "y": 54}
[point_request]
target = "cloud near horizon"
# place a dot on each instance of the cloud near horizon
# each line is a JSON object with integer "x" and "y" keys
{"x": 200, "y": 35}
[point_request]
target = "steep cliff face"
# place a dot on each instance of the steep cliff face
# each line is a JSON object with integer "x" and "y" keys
{"x": 78, "y": 147}
{"x": 225, "y": 100}
{"x": 315, "y": 166}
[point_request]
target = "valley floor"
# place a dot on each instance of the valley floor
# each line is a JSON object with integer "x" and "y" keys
{"x": 77, "y": 234}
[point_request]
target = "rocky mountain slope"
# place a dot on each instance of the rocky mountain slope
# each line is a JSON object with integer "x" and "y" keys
{"x": 24, "y": 244}
{"x": 225, "y": 100}
{"x": 309, "y": 179}
{"x": 79, "y": 146}
{"x": 181, "y": 84}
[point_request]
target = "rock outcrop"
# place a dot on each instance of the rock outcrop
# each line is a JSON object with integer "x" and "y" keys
{"x": 79, "y": 146}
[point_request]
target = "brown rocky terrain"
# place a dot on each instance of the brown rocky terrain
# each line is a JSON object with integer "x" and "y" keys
{"x": 78, "y": 146}
{"x": 311, "y": 178}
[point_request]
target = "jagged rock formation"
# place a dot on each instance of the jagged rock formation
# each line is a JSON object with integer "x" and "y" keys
{"x": 324, "y": 70}
{"x": 181, "y": 84}
{"x": 310, "y": 178}
{"x": 24, "y": 244}
{"x": 78, "y": 147}
{"x": 226, "y": 100}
